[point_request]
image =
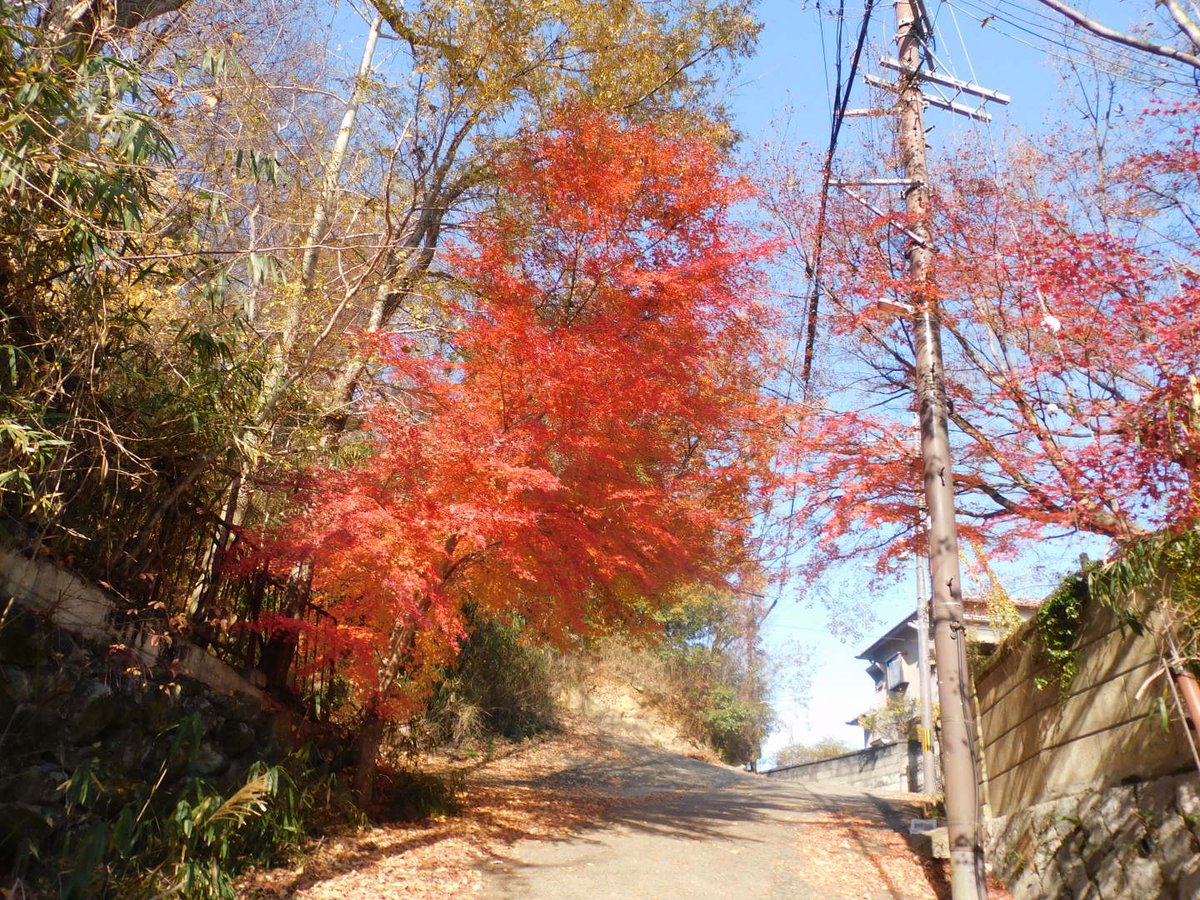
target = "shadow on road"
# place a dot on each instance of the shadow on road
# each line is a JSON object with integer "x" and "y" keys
{"x": 615, "y": 806}
{"x": 661, "y": 795}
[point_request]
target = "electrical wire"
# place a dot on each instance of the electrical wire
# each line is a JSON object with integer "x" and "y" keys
{"x": 1038, "y": 17}
{"x": 841, "y": 98}
{"x": 824, "y": 56}
{"x": 841, "y": 103}
{"x": 1044, "y": 34}
{"x": 962, "y": 43}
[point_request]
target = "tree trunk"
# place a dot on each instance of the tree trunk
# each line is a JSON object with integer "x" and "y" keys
{"x": 370, "y": 741}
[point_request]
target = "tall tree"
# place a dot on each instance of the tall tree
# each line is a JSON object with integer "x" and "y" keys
{"x": 271, "y": 233}
{"x": 590, "y": 432}
{"x": 1067, "y": 276}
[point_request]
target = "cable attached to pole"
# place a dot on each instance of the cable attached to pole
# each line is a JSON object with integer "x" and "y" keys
{"x": 841, "y": 100}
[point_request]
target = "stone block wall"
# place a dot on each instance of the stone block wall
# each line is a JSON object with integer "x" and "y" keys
{"x": 148, "y": 715}
{"x": 85, "y": 610}
{"x": 68, "y": 704}
{"x": 1127, "y": 841}
{"x": 889, "y": 767}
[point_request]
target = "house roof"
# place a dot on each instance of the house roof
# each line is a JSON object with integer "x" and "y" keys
{"x": 975, "y": 612}
{"x": 893, "y": 641}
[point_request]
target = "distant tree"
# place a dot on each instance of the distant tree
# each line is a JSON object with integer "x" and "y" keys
{"x": 826, "y": 748}
{"x": 718, "y": 670}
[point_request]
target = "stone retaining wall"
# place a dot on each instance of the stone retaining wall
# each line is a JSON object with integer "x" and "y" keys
{"x": 888, "y": 767}
{"x": 144, "y": 715}
{"x": 1091, "y": 796}
{"x": 69, "y": 705}
{"x": 85, "y": 610}
{"x": 1127, "y": 841}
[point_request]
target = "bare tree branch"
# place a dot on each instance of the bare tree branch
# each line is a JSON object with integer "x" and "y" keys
{"x": 1183, "y": 20}
{"x": 1120, "y": 37}
{"x": 131, "y": 13}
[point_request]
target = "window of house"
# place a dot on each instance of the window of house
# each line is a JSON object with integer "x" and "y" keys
{"x": 895, "y": 672}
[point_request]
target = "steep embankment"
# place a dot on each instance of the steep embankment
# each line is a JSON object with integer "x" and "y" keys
{"x": 622, "y": 696}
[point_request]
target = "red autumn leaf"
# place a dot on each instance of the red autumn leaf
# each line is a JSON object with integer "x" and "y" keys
{"x": 591, "y": 432}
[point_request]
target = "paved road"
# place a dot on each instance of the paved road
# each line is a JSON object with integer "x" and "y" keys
{"x": 680, "y": 828}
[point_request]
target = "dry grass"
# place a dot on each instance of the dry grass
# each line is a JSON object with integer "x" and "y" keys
{"x": 630, "y": 692}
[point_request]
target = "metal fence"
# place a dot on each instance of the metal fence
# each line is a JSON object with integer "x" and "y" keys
{"x": 292, "y": 658}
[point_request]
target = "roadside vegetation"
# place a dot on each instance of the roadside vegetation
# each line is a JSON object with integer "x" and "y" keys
{"x": 798, "y": 754}
{"x": 407, "y": 381}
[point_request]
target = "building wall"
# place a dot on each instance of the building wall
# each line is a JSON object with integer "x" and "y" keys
{"x": 910, "y": 673}
{"x": 888, "y": 767}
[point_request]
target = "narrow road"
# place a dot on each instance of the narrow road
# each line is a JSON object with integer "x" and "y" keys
{"x": 681, "y": 828}
{"x": 597, "y": 815}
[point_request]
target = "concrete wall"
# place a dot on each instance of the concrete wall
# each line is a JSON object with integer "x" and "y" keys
{"x": 888, "y": 767}
{"x": 1039, "y": 746}
{"x": 1090, "y": 796}
{"x": 74, "y": 605}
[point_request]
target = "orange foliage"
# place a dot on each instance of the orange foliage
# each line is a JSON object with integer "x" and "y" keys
{"x": 591, "y": 433}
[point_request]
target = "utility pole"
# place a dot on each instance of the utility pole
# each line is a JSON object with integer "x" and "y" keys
{"x": 924, "y": 682}
{"x": 751, "y": 691}
{"x": 967, "y": 877}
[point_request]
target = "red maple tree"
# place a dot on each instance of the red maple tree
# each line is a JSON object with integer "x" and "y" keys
{"x": 1071, "y": 316}
{"x": 589, "y": 432}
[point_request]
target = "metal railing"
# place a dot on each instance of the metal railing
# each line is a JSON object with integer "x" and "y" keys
{"x": 291, "y": 657}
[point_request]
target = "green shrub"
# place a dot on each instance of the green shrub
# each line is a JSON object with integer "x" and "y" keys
{"x": 165, "y": 845}
{"x": 501, "y": 684}
{"x": 736, "y": 727}
{"x": 128, "y": 839}
{"x": 896, "y": 720}
{"x": 302, "y": 803}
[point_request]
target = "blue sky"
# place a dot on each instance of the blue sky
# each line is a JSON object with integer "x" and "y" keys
{"x": 782, "y": 97}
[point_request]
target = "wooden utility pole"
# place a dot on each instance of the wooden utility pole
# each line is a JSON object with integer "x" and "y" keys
{"x": 967, "y": 878}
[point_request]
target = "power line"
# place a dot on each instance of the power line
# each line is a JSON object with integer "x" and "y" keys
{"x": 825, "y": 56}
{"x": 841, "y": 103}
{"x": 1056, "y": 24}
{"x": 1054, "y": 39}
{"x": 841, "y": 99}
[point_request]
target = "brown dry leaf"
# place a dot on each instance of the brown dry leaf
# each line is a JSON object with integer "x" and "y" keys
{"x": 508, "y": 800}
